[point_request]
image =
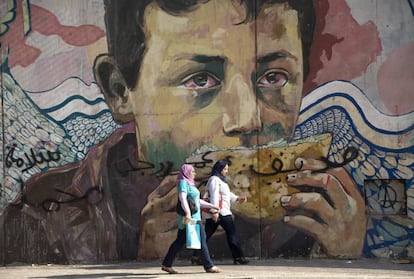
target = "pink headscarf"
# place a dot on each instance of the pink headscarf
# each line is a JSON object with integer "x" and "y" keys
{"x": 185, "y": 174}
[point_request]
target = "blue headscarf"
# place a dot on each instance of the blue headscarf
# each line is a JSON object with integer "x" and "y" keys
{"x": 218, "y": 167}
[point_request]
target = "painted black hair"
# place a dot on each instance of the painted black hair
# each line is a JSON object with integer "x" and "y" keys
{"x": 126, "y": 39}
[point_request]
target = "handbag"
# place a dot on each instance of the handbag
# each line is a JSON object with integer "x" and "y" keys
{"x": 191, "y": 203}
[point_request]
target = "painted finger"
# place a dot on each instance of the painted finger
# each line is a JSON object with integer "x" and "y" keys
{"x": 166, "y": 185}
{"x": 160, "y": 205}
{"x": 347, "y": 183}
{"x": 306, "y": 224}
{"x": 310, "y": 164}
{"x": 311, "y": 202}
{"x": 340, "y": 173}
{"x": 323, "y": 183}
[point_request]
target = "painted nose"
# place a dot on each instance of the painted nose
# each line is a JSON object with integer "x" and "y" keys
{"x": 242, "y": 113}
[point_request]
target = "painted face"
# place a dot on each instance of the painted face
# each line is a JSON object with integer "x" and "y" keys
{"x": 207, "y": 78}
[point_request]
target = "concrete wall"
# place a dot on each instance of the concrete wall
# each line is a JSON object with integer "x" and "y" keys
{"x": 92, "y": 140}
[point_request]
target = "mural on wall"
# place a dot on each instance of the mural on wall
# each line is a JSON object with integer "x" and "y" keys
{"x": 103, "y": 100}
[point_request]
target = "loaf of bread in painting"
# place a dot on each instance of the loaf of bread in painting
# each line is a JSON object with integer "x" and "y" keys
{"x": 260, "y": 173}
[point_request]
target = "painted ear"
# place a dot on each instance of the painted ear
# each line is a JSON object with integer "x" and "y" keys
{"x": 114, "y": 88}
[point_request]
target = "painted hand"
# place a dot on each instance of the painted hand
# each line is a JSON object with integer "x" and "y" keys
{"x": 158, "y": 221}
{"x": 328, "y": 207}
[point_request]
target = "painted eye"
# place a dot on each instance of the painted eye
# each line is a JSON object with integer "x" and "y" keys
{"x": 273, "y": 80}
{"x": 202, "y": 80}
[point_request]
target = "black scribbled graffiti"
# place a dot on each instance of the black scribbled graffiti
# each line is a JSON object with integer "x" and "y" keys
{"x": 54, "y": 205}
{"x": 387, "y": 195}
{"x": 123, "y": 167}
{"x": 277, "y": 165}
{"x": 51, "y": 204}
{"x": 350, "y": 154}
{"x": 30, "y": 159}
{"x": 204, "y": 162}
{"x": 126, "y": 166}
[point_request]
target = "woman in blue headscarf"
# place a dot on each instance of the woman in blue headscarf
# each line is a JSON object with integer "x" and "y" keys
{"x": 219, "y": 194}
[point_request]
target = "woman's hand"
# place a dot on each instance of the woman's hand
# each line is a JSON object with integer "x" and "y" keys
{"x": 215, "y": 216}
{"x": 242, "y": 199}
{"x": 187, "y": 218}
{"x": 332, "y": 210}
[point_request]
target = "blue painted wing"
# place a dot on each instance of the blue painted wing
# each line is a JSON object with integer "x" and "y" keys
{"x": 384, "y": 167}
{"x": 46, "y": 129}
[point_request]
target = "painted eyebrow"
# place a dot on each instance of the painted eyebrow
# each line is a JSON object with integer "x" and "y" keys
{"x": 271, "y": 57}
{"x": 207, "y": 59}
{"x": 201, "y": 58}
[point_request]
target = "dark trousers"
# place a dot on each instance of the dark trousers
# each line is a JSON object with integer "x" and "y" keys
{"x": 179, "y": 243}
{"x": 226, "y": 222}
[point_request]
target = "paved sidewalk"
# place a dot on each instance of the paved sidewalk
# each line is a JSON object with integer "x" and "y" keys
{"x": 275, "y": 268}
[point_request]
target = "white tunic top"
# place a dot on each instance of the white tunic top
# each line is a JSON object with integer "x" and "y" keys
{"x": 216, "y": 188}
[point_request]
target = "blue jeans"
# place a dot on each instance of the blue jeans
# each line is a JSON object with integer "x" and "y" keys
{"x": 179, "y": 243}
{"x": 228, "y": 225}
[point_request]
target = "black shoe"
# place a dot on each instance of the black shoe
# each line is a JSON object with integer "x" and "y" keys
{"x": 169, "y": 269}
{"x": 241, "y": 261}
{"x": 195, "y": 260}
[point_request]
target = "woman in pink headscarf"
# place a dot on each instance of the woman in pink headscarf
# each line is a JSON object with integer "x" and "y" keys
{"x": 186, "y": 187}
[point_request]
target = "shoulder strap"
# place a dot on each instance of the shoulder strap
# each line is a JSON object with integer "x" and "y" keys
{"x": 220, "y": 196}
